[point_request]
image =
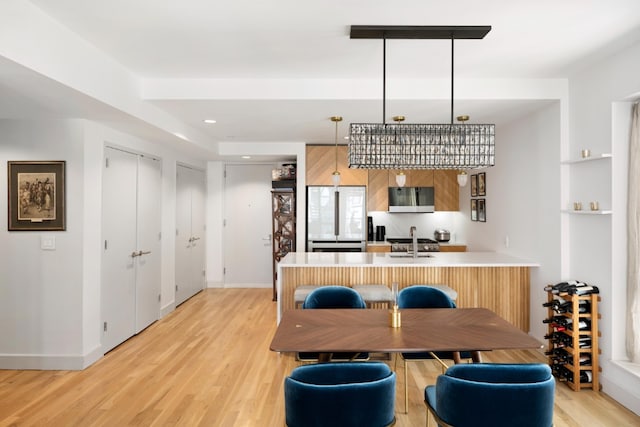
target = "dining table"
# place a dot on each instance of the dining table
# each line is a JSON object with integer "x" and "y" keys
{"x": 328, "y": 331}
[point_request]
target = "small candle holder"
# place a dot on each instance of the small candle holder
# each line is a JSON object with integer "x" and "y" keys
{"x": 395, "y": 317}
{"x": 595, "y": 206}
{"x": 577, "y": 206}
{"x": 585, "y": 153}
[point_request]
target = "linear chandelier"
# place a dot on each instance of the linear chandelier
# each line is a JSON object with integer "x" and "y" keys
{"x": 420, "y": 146}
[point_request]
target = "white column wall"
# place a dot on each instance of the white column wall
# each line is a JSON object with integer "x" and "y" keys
{"x": 41, "y": 291}
{"x": 594, "y": 93}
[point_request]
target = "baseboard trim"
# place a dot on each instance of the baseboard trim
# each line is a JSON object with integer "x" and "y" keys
{"x": 248, "y": 285}
{"x": 622, "y": 384}
{"x": 50, "y": 362}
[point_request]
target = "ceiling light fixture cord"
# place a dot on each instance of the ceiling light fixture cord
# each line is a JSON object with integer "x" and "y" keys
{"x": 452, "y": 40}
{"x": 384, "y": 79}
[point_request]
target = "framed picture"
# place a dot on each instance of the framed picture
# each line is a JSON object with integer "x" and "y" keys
{"x": 474, "y": 185}
{"x": 36, "y": 196}
{"x": 474, "y": 209}
{"x": 482, "y": 210}
{"x": 482, "y": 184}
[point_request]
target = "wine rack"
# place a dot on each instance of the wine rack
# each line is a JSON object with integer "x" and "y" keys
{"x": 284, "y": 227}
{"x": 573, "y": 339}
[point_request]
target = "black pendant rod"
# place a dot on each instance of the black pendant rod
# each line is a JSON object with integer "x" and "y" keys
{"x": 452, "y": 39}
{"x": 384, "y": 79}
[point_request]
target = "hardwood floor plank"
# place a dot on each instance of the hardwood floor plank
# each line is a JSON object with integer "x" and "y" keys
{"x": 208, "y": 364}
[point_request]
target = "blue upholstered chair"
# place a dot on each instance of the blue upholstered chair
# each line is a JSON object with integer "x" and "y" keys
{"x": 340, "y": 394}
{"x": 487, "y": 394}
{"x": 333, "y": 297}
{"x": 423, "y": 296}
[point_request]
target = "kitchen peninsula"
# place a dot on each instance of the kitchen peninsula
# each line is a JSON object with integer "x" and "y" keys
{"x": 491, "y": 280}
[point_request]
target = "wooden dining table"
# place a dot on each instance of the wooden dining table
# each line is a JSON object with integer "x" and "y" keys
{"x": 422, "y": 330}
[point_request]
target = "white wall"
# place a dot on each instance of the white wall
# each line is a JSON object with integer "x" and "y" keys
{"x": 598, "y": 243}
{"x": 41, "y": 291}
{"x": 523, "y": 201}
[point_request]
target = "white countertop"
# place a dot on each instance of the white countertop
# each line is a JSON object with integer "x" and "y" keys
{"x": 370, "y": 259}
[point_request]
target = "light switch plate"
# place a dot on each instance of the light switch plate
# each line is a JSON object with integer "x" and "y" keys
{"x": 48, "y": 243}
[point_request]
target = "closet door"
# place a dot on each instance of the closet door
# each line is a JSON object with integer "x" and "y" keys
{"x": 118, "y": 299}
{"x": 130, "y": 288}
{"x": 148, "y": 270}
{"x": 190, "y": 231}
{"x": 198, "y": 228}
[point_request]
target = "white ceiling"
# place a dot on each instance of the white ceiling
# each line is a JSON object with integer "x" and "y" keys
{"x": 290, "y": 40}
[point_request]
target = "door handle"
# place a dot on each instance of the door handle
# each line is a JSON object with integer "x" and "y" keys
{"x": 144, "y": 253}
{"x": 193, "y": 239}
{"x": 134, "y": 254}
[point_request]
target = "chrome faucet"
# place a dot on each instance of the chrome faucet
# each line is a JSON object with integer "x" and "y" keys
{"x": 414, "y": 236}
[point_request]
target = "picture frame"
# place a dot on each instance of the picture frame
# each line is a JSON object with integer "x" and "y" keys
{"x": 482, "y": 184}
{"x": 36, "y": 193}
{"x": 482, "y": 210}
{"x": 474, "y": 185}
{"x": 474, "y": 209}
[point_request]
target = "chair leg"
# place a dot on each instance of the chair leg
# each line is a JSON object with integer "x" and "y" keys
{"x": 406, "y": 388}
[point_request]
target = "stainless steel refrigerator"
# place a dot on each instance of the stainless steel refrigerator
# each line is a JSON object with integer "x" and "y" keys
{"x": 336, "y": 218}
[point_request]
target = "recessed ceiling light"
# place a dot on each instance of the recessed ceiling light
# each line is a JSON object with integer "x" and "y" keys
{"x": 246, "y": 157}
{"x": 209, "y": 121}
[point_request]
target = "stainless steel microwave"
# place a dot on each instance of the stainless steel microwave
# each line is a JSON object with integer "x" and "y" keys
{"x": 411, "y": 199}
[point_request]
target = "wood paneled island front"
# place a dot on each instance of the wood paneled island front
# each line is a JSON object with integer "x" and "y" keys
{"x": 482, "y": 279}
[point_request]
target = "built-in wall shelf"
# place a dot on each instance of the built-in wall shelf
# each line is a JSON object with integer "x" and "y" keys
{"x": 587, "y": 159}
{"x": 586, "y": 212}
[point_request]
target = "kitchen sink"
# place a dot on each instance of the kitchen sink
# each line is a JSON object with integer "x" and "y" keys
{"x": 406, "y": 255}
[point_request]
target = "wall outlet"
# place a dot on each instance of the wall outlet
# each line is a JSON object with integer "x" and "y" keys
{"x": 48, "y": 243}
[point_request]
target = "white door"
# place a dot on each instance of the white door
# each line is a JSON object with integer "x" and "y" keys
{"x": 190, "y": 231}
{"x": 131, "y": 252}
{"x": 118, "y": 287}
{"x": 148, "y": 269}
{"x": 247, "y": 235}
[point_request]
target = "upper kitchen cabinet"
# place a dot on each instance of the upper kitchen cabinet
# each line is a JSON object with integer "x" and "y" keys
{"x": 377, "y": 190}
{"x": 321, "y": 163}
{"x": 446, "y": 190}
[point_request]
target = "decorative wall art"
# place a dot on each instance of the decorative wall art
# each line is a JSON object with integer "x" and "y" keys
{"x": 36, "y": 195}
{"x": 474, "y": 185}
{"x": 474, "y": 209}
{"x": 482, "y": 210}
{"x": 482, "y": 184}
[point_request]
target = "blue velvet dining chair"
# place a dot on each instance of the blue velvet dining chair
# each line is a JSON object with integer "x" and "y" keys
{"x": 497, "y": 395}
{"x": 340, "y": 395}
{"x": 333, "y": 297}
{"x": 424, "y": 296}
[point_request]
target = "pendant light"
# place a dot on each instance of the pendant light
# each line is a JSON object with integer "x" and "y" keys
{"x": 335, "y": 178}
{"x": 462, "y": 175}
{"x": 401, "y": 177}
{"x": 420, "y": 146}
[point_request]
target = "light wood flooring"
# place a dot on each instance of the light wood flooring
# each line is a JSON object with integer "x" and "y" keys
{"x": 208, "y": 364}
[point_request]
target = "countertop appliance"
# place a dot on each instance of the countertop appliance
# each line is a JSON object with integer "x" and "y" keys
{"x": 405, "y": 244}
{"x": 336, "y": 218}
{"x": 411, "y": 199}
{"x": 442, "y": 235}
